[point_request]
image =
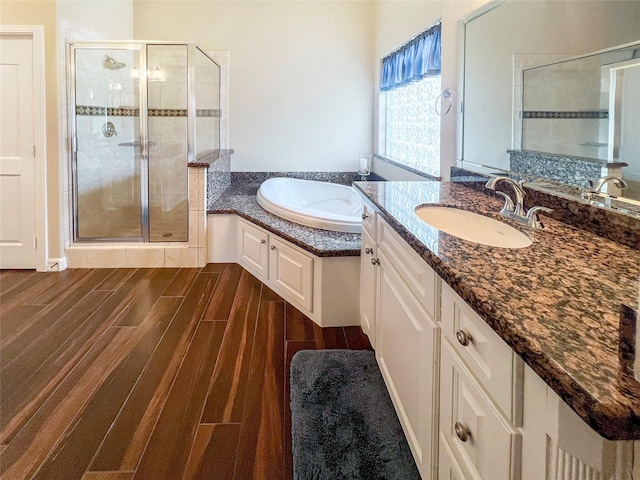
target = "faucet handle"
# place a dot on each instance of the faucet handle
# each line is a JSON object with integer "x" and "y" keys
{"x": 508, "y": 203}
{"x": 532, "y": 216}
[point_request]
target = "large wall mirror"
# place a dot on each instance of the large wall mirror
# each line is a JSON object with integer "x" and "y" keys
{"x": 551, "y": 89}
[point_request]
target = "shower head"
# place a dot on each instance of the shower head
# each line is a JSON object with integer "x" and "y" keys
{"x": 111, "y": 64}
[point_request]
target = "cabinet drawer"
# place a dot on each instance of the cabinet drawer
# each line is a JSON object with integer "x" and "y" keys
{"x": 369, "y": 219}
{"x": 417, "y": 274}
{"x": 253, "y": 249}
{"x": 493, "y": 363}
{"x": 492, "y": 446}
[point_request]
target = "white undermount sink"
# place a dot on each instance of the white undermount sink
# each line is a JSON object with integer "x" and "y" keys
{"x": 473, "y": 227}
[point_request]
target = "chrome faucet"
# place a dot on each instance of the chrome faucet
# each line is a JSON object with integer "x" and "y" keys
{"x": 516, "y": 211}
{"x": 618, "y": 182}
{"x": 509, "y": 206}
{"x": 596, "y": 188}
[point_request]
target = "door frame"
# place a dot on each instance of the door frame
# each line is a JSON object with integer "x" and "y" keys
{"x": 36, "y": 32}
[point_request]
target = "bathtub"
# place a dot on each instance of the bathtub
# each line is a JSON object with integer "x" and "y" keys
{"x": 315, "y": 204}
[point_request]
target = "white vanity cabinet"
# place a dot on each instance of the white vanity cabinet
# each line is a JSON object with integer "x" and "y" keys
{"x": 407, "y": 336}
{"x": 285, "y": 268}
{"x": 469, "y": 406}
{"x": 324, "y": 289}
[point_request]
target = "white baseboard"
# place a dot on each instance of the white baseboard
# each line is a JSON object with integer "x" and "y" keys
{"x": 56, "y": 264}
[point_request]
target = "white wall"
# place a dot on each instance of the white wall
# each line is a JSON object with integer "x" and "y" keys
{"x": 396, "y": 22}
{"x": 108, "y": 19}
{"x": 301, "y": 78}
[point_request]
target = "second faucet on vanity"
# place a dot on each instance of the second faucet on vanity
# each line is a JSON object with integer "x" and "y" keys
{"x": 516, "y": 211}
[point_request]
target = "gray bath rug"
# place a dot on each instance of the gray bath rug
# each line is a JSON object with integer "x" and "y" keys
{"x": 343, "y": 423}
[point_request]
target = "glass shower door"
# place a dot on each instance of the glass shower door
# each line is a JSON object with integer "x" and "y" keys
{"x": 107, "y": 167}
{"x": 168, "y": 100}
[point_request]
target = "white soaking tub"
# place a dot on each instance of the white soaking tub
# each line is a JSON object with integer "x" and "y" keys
{"x": 315, "y": 204}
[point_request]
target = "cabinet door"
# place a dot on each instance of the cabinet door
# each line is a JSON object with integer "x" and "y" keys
{"x": 448, "y": 467}
{"x": 407, "y": 345}
{"x": 253, "y": 249}
{"x": 481, "y": 439}
{"x": 291, "y": 273}
{"x": 368, "y": 272}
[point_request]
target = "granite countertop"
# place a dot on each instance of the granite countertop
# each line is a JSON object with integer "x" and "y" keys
{"x": 240, "y": 199}
{"x": 558, "y": 303}
{"x": 205, "y": 161}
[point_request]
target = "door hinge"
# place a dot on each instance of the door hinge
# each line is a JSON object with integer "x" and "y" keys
{"x": 34, "y": 151}
{"x": 35, "y": 243}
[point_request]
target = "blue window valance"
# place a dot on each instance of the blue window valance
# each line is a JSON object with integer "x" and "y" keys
{"x": 412, "y": 62}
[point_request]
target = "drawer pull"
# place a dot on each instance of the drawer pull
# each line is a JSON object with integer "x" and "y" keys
{"x": 368, "y": 250}
{"x": 462, "y": 432}
{"x": 463, "y": 337}
{"x": 273, "y": 247}
{"x": 365, "y": 216}
{"x": 375, "y": 261}
{"x": 263, "y": 241}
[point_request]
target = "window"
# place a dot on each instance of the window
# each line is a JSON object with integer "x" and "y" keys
{"x": 410, "y": 84}
{"x": 413, "y": 127}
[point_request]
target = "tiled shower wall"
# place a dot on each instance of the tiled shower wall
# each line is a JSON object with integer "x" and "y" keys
{"x": 557, "y": 88}
{"x": 168, "y": 101}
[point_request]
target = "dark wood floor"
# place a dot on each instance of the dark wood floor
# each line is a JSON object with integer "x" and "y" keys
{"x": 126, "y": 374}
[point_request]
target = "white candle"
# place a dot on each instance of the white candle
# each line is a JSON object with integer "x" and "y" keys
{"x": 364, "y": 164}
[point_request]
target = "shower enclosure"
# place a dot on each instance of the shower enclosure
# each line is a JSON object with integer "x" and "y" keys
{"x": 140, "y": 112}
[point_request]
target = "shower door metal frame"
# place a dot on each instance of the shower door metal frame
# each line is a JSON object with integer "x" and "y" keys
{"x": 141, "y": 48}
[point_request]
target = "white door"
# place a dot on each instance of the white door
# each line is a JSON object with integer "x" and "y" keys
{"x": 17, "y": 154}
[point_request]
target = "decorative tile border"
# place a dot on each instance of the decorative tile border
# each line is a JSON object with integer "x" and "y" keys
{"x": 86, "y": 110}
{"x": 598, "y": 114}
{"x": 111, "y": 111}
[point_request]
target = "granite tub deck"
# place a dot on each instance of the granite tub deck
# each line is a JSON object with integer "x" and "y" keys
{"x": 240, "y": 199}
{"x": 557, "y": 303}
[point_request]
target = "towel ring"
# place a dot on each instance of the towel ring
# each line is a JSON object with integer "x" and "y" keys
{"x": 445, "y": 94}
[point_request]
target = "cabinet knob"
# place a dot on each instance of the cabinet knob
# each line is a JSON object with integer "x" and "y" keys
{"x": 462, "y": 432}
{"x": 368, "y": 250}
{"x": 365, "y": 216}
{"x": 375, "y": 261}
{"x": 463, "y": 337}
{"x": 273, "y": 247}
{"x": 263, "y": 241}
